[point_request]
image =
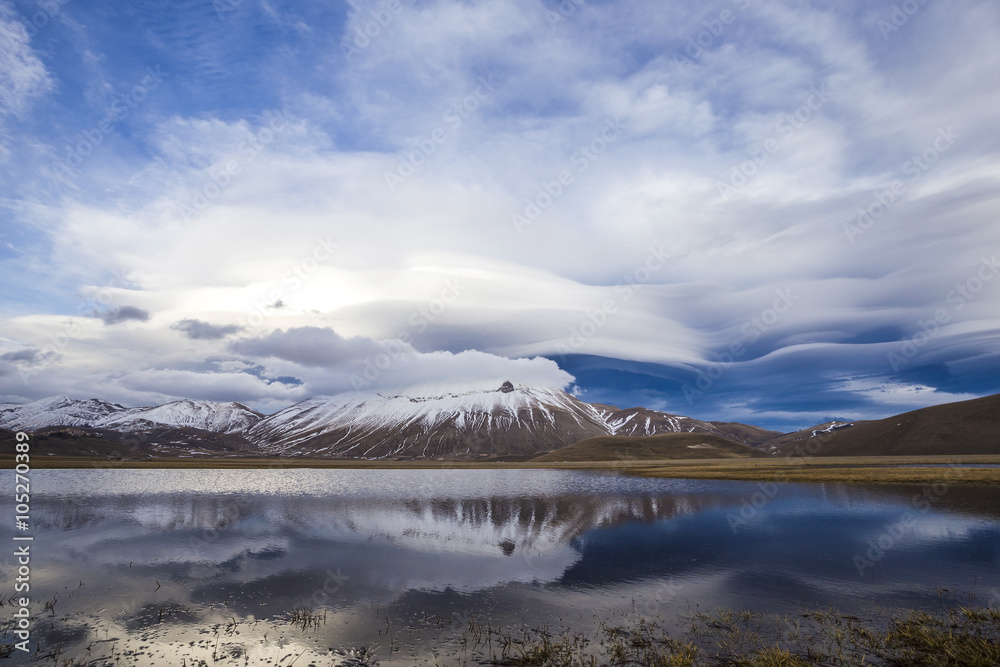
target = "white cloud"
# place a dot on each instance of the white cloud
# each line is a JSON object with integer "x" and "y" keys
{"x": 895, "y": 394}
{"x": 23, "y": 77}
{"x": 308, "y": 222}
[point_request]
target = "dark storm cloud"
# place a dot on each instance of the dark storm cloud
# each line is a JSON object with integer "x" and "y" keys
{"x": 201, "y": 330}
{"x": 123, "y": 314}
{"x": 308, "y": 346}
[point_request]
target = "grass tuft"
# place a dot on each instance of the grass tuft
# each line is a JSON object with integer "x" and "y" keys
{"x": 960, "y": 637}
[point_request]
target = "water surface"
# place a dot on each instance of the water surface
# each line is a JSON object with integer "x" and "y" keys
{"x": 179, "y": 564}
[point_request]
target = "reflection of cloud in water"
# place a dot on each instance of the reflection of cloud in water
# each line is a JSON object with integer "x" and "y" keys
{"x": 166, "y": 554}
{"x": 474, "y": 545}
{"x": 386, "y": 545}
{"x": 399, "y": 484}
{"x": 388, "y": 539}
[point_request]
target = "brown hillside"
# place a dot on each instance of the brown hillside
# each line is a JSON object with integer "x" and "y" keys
{"x": 666, "y": 446}
{"x": 966, "y": 427}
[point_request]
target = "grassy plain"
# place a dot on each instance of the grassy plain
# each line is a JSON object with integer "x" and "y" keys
{"x": 855, "y": 469}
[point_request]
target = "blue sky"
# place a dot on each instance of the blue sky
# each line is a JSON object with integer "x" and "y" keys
{"x": 777, "y": 213}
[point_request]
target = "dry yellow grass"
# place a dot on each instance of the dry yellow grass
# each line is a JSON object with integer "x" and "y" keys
{"x": 868, "y": 470}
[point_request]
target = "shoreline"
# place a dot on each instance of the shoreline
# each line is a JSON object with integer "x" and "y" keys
{"x": 868, "y": 470}
{"x": 962, "y": 632}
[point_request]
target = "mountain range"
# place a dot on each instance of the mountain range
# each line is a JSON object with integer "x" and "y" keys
{"x": 94, "y": 413}
{"x": 512, "y": 423}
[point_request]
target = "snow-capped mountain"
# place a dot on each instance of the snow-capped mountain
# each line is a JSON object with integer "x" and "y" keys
{"x": 54, "y": 411}
{"x": 62, "y": 411}
{"x": 207, "y": 415}
{"x": 509, "y": 421}
{"x": 642, "y": 421}
{"x": 505, "y": 421}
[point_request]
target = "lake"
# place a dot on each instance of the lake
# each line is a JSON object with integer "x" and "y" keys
{"x": 160, "y": 566}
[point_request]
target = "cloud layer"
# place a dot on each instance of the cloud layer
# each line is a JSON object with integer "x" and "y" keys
{"x": 735, "y": 209}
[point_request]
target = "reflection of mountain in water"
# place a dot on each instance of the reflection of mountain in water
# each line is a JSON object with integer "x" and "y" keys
{"x": 263, "y": 554}
{"x": 386, "y": 545}
{"x": 495, "y": 526}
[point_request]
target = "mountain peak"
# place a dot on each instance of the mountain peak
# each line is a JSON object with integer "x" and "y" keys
{"x": 485, "y": 422}
{"x": 423, "y": 422}
{"x": 63, "y": 411}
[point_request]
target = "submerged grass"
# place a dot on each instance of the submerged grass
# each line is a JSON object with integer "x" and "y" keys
{"x": 965, "y": 637}
{"x": 307, "y": 619}
{"x": 952, "y": 637}
{"x": 962, "y": 637}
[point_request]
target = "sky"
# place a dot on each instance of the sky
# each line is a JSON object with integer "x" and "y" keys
{"x": 776, "y": 212}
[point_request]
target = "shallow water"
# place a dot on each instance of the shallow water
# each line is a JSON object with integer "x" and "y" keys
{"x": 165, "y": 565}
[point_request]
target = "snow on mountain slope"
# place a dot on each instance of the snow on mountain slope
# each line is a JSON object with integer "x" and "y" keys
{"x": 831, "y": 427}
{"x": 642, "y": 422}
{"x": 62, "y": 411}
{"x": 508, "y": 421}
{"x": 206, "y": 415}
{"x": 55, "y": 411}
{"x": 505, "y": 421}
